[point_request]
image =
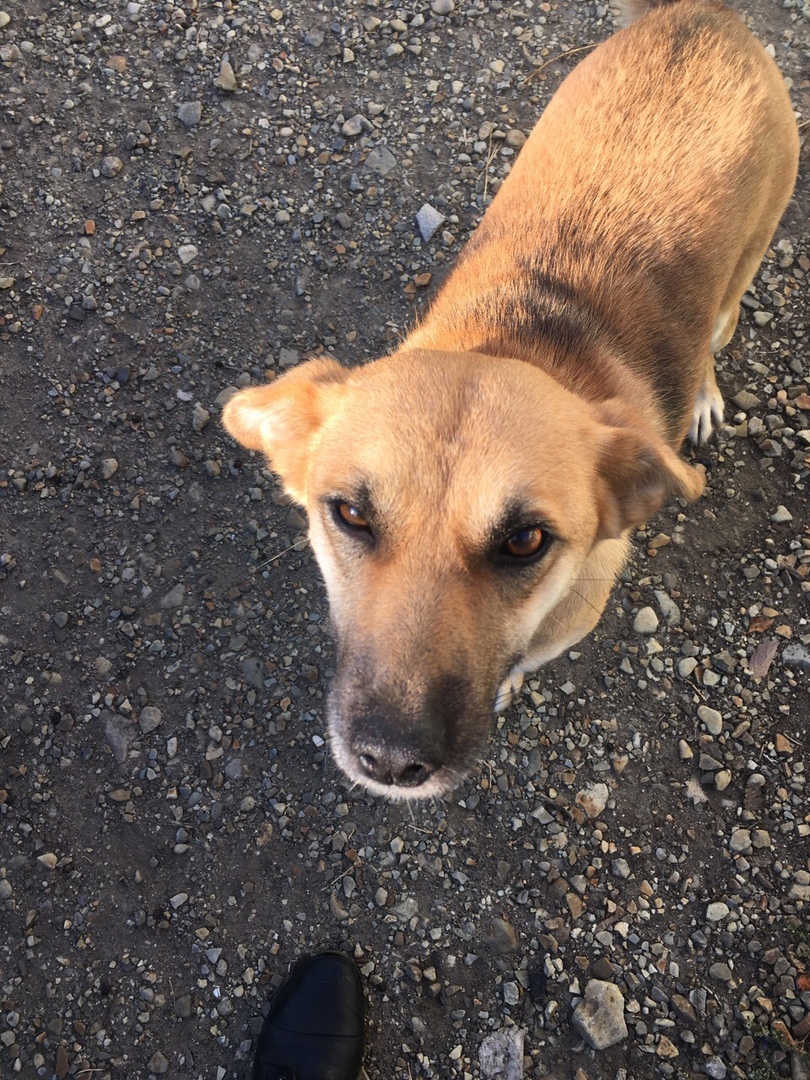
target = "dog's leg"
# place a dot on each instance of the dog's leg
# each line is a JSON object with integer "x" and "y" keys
{"x": 509, "y": 688}
{"x": 708, "y": 412}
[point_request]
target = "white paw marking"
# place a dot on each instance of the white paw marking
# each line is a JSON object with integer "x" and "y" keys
{"x": 707, "y": 415}
{"x": 508, "y": 688}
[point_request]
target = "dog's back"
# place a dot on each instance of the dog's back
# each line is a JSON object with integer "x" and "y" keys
{"x": 646, "y": 197}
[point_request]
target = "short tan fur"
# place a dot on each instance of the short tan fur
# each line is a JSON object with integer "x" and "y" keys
{"x": 470, "y": 496}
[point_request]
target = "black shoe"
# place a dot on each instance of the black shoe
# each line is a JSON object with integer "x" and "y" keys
{"x": 316, "y": 1027}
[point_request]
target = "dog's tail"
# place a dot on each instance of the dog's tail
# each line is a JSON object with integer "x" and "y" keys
{"x": 628, "y": 11}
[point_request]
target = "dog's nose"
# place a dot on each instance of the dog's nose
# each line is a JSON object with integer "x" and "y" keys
{"x": 395, "y": 767}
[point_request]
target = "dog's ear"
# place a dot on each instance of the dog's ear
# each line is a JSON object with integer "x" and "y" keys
{"x": 636, "y": 472}
{"x": 284, "y": 417}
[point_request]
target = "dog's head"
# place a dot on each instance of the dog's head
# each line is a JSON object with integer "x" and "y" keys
{"x": 455, "y": 503}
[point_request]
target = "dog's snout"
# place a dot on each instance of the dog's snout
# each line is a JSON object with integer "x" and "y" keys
{"x": 411, "y": 752}
{"x": 395, "y": 767}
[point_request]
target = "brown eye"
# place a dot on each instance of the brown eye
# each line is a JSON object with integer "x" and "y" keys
{"x": 351, "y": 516}
{"x": 525, "y": 543}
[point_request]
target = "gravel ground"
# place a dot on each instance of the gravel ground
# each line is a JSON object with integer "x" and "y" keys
{"x": 192, "y": 195}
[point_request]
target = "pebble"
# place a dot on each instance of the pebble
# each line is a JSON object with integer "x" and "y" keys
{"x": 111, "y": 165}
{"x": 158, "y": 1063}
{"x": 781, "y": 515}
{"x": 443, "y": 7}
{"x": 107, "y": 468}
{"x": 796, "y": 655}
{"x": 5, "y": 19}
{"x": 668, "y": 608}
{"x": 745, "y": 400}
{"x": 740, "y": 842}
{"x": 200, "y": 417}
{"x": 429, "y": 221}
{"x": 593, "y": 799}
{"x": 225, "y": 80}
{"x": 381, "y": 161}
{"x": 500, "y": 1055}
{"x": 717, "y": 911}
{"x": 599, "y": 1017}
{"x": 190, "y": 113}
{"x": 150, "y": 718}
{"x": 355, "y": 125}
{"x": 721, "y": 971}
{"x": 646, "y": 621}
{"x": 711, "y": 719}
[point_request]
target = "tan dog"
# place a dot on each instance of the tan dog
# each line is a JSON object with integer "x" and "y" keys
{"x": 470, "y": 496}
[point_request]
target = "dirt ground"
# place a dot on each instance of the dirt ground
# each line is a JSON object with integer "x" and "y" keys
{"x": 192, "y": 196}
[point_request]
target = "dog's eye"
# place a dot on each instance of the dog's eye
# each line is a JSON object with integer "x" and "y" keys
{"x": 525, "y": 545}
{"x": 350, "y": 515}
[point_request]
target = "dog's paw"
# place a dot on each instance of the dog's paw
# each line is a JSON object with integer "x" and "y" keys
{"x": 508, "y": 688}
{"x": 707, "y": 415}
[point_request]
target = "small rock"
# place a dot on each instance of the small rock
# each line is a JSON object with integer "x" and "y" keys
{"x": 381, "y": 161}
{"x": 669, "y": 609}
{"x": 226, "y": 80}
{"x": 745, "y": 401}
{"x": 722, "y": 972}
{"x": 158, "y": 1063}
{"x": 182, "y": 1006}
{"x": 429, "y": 219}
{"x": 722, "y": 779}
{"x": 353, "y": 126}
{"x": 200, "y": 417}
{"x": 715, "y": 1068}
{"x": 443, "y": 7}
{"x": 500, "y": 1056}
{"x": 740, "y": 842}
{"x": 288, "y": 358}
{"x": 796, "y": 655}
{"x": 782, "y": 744}
{"x": 186, "y": 253}
{"x": 111, "y": 165}
{"x": 717, "y": 911}
{"x": 781, "y": 515}
{"x": 646, "y": 621}
{"x": 593, "y": 799}
{"x": 666, "y": 1048}
{"x": 150, "y": 718}
{"x": 107, "y": 468}
{"x": 5, "y": 19}
{"x": 599, "y": 1017}
{"x": 118, "y": 733}
{"x": 190, "y": 113}
{"x": 174, "y": 597}
{"x": 684, "y": 1009}
{"x": 711, "y": 719}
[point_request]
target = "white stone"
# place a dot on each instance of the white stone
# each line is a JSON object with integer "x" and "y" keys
{"x": 711, "y": 719}
{"x": 429, "y": 219}
{"x": 646, "y": 621}
{"x": 599, "y": 1017}
{"x": 717, "y": 911}
{"x": 593, "y": 799}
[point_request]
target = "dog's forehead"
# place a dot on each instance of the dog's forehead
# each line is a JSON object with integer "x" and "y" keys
{"x": 462, "y": 432}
